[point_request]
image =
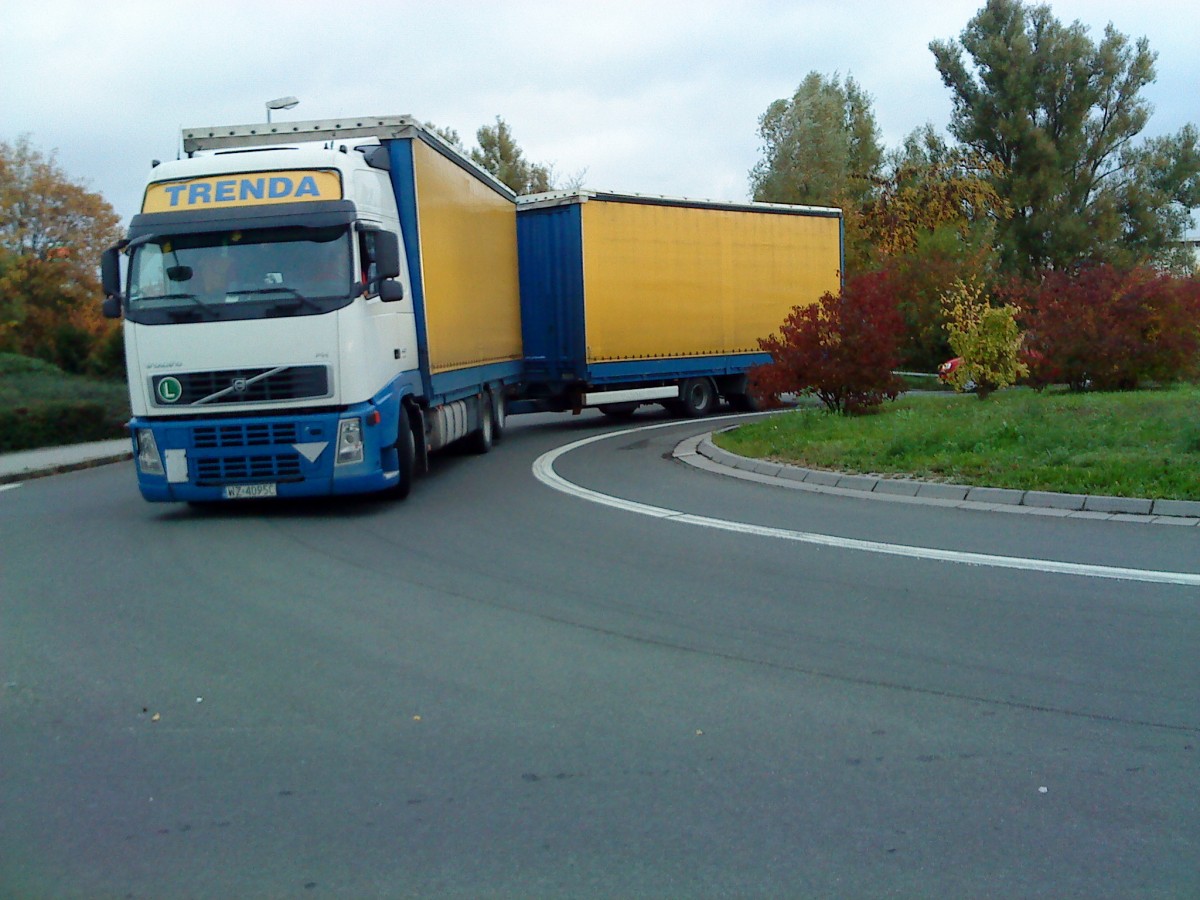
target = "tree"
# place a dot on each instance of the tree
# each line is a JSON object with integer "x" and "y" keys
{"x": 52, "y": 232}
{"x": 842, "y": 348}
{"x": 931, "y": 222}
{"x": 499, "y": 154}
{"x": 821, "y": 145}
{"x": 1060, "y": 113}
{"x": 929, "y": 186}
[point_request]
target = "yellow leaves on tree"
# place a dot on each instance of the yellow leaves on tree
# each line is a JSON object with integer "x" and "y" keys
{"x": 956, "y": 191}
{"x": 986, "y": 337}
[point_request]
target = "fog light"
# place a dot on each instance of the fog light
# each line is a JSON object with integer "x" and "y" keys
{"x": 349, "y": 442}
{"x": 148, "y": 459}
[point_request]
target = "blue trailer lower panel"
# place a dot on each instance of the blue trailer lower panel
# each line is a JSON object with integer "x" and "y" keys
{"x": 639, "y": 371}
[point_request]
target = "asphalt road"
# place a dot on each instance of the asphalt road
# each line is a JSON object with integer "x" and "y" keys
{"x": 497, "y": 689}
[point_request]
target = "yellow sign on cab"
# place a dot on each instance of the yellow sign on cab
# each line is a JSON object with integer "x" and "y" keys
{"x": 243, "y": 189}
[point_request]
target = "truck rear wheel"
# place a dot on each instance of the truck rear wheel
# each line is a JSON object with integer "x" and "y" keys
{"x": 480, "y": 441}
{"x": 697, "y": 398}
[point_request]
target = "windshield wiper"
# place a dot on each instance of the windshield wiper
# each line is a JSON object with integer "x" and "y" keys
{"x": 184, "y": 295}
{"x": 283, "y": 289}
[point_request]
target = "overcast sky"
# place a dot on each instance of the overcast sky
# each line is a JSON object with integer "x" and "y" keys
{"x": 647, "y": 96}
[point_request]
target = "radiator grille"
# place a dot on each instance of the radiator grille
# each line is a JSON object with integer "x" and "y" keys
{"x": 241, "y": 386}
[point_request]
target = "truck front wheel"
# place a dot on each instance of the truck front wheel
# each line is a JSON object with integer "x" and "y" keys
{"x": 697, "y": 398}
{"x": 406, "y": 451}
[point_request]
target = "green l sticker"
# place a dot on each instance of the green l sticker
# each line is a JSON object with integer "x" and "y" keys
{"x": 169, "y": 389}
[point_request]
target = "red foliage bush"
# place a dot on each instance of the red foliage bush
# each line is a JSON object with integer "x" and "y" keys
{"x": 1110, "y": 329}
{"x": 842, "y": 349}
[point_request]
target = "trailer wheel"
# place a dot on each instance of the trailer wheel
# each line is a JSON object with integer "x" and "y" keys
{"x": 744, "y": 402}
{"x": 406, "y": 451}
{"x": 697, "y": 398}
{"x": 480, "y": 441}
{"x": 620, "y": 411}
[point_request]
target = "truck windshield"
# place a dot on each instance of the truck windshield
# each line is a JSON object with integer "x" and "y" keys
{"x": 251, "y": 274}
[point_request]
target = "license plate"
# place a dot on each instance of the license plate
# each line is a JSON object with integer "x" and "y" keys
{"x": 248, "y": 491}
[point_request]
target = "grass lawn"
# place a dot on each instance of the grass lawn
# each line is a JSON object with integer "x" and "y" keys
{"x": 1136, "y": 444}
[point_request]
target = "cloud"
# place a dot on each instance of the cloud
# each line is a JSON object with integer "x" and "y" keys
{"x": 658, "y": 97}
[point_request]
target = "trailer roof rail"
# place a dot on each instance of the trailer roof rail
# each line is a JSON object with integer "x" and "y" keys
{"x": 215, "y": 137}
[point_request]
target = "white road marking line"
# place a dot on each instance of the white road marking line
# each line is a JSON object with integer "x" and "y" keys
{"x": 543, "y": 470}
{"x": 9, "y": 487}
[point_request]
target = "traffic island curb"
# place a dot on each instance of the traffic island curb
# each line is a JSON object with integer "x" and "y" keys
{"x": 1084, "y": 506}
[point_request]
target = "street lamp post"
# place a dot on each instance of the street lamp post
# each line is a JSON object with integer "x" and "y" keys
{"x": 280, "y": 103}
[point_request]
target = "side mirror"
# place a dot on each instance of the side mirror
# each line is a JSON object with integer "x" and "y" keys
{"x": 110, "y": 279}
{"x": 390, "y": 291}
{"x": 110, "y": 272}
{"x": 387, "y": 255}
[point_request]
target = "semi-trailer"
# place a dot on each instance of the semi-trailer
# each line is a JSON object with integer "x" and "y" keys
{"x": 629, "y": 299}
{"x": 314, "y": 319}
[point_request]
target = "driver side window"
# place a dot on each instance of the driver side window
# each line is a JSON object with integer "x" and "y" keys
{"x": 369, "y": 273}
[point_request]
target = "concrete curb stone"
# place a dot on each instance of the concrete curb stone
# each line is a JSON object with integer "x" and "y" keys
{"x": 1080, "y": 506}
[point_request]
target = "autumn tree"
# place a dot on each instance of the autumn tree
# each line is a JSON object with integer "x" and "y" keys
{"x": 931, "y": 222}
{"x": 930, "y": 185}
{"x": 499, "y": 153}
{"x": 52, "y": 232}
{"x": 1060, "y": 114}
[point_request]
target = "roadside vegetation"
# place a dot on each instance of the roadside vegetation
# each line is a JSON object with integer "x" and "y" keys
{"x": 1125, "y": 444}
{"x": 43, "y": 406}
{"x": 1048, "y": 254}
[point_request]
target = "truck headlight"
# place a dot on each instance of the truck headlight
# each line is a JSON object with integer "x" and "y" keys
{"x": 148, "y": 458}
{"x": 349, "y": 442}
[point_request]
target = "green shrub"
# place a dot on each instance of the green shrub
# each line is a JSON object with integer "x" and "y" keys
{"x": 107, "y": 359}
{"x": 16, "y": 364}
{"x": 55, "y": 424}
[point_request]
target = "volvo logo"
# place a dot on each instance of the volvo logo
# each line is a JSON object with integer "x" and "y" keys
{"x": 239, "y": 385}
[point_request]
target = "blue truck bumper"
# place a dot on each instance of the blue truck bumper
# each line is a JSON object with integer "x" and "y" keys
{"x": 248, "y": 457}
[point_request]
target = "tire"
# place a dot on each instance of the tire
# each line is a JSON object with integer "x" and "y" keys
{"x": 620, "y": 411}
{"x": 499, "y": 414}
{"x": 743, "y": 403}
{"x": 406, "y": 452}
{"x": 697, "y": 398}
{"x": 480, "y": 441}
